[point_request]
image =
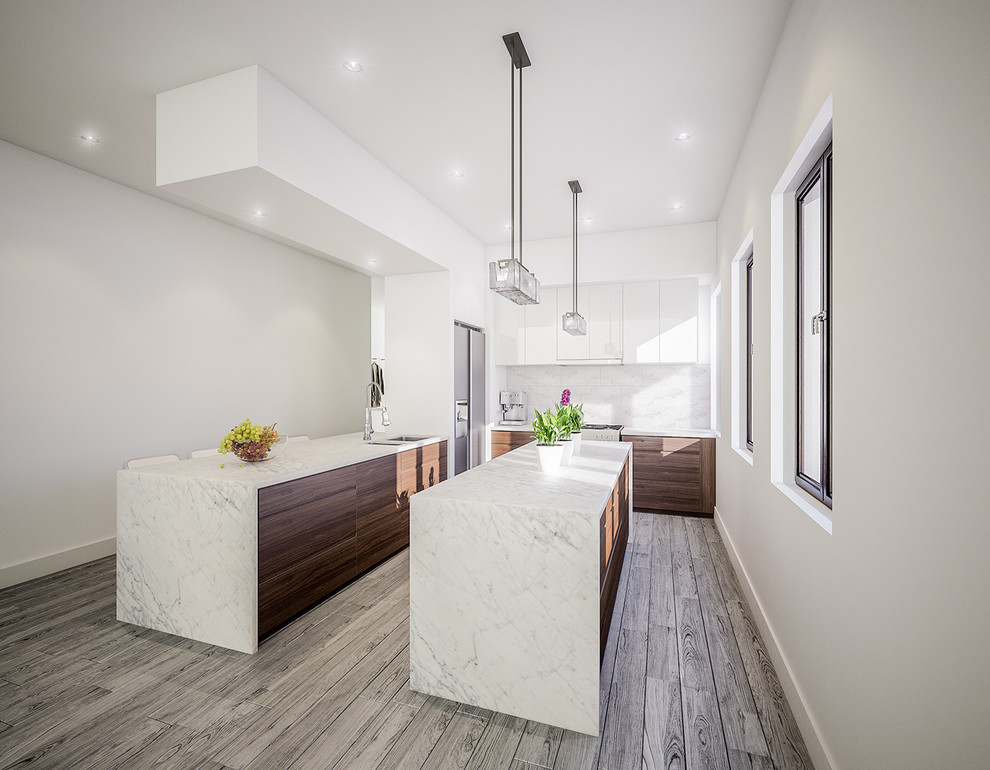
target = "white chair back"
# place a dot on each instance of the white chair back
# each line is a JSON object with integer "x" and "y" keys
{"x": 294, "y": 439}
{"x": 143, "y": 462}
{"x": 203, "y": 452}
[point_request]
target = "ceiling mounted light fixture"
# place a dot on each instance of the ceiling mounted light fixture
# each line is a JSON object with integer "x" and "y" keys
{"x": 573, "y": 322}
{"x": 91, "y": 138}
{"x": 353, "y": 66}
{"x": 509, "y": 277}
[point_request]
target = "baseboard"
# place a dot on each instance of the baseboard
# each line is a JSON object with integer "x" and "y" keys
{"x": 795, "y": 697}
{"x": 56, "y": 562}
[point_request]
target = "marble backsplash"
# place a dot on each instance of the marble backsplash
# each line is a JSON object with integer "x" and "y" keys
{"x": 641, "y": 396}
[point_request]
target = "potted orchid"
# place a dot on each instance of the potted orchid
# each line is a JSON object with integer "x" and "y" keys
{"x": 573, "y": 414}
{"x": 549, "y": 450}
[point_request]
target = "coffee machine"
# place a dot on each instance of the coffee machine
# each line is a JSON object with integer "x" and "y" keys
{"x": 513, "y": 407}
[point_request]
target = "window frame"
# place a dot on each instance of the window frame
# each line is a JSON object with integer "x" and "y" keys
{"x": 819, "y": 489}
{"x": 749, "y": 351}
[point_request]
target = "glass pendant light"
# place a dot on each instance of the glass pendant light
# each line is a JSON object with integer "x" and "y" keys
{"x": 509, "y": 277}
{"x": 573, "y": 322}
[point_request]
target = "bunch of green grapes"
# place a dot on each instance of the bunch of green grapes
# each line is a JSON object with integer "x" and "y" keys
{"x": 245, "y": 433}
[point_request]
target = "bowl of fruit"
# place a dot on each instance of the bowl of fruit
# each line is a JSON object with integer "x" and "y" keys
{"x": 249, "y": 442}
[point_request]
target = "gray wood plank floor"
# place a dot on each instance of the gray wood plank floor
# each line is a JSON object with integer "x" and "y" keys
{"x": 686, "y": 681}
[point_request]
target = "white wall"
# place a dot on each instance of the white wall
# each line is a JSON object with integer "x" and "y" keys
{"x": 628, "y": 255}
{"x": 882, "y": 624}
{"x": 419, "y": 354}
{"x": 130, "y": 327}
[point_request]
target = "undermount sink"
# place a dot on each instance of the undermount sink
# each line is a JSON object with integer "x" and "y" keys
{"x": 392, "y": 440}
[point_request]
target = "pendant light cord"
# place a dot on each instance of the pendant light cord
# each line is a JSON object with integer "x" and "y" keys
{"x": 575, "y": 251}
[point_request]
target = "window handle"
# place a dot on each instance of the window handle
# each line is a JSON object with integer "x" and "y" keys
{"x": 817, "y": 321}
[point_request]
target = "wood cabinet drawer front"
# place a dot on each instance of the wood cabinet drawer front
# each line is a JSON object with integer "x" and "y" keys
{"x": 506, "y": 440}
{"x": 286, "y": 538}
{"x": 421, "y": 467}
{"x": 307, "y": 582}
{"x": 376, "y": 485}
{"x": 283, "y": 497}
{"x": 380, "y": 534}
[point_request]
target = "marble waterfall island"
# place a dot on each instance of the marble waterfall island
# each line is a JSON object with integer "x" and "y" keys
{"x": 225, "y": 554}
{"x": 513, "y": 575}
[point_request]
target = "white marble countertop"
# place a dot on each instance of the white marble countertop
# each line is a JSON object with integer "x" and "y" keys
{"x": 670, "y": 432}
{"x": 631, "y": 431}
{"x": 513, "y": 480}
{"x": 293, "y": 461}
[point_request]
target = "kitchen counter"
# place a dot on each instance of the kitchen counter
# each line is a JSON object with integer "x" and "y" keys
{"x": 187, "y": 536}
{"x": 670, "y": 432}
{"x": 506, "y": 584}
{"x": 629, "y": 431}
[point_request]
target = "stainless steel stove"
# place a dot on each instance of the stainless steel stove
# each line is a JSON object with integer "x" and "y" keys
{"x": 601, "y": 432}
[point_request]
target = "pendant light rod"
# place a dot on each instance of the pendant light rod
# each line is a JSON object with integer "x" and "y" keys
{"x": 575, "y": 186}
{"x": 520, "y": 60}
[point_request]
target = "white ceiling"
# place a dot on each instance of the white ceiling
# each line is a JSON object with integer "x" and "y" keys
{"x": 609, "y": 88}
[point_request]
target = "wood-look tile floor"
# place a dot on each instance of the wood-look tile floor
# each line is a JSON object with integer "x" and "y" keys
{"x": 686, "y": 681}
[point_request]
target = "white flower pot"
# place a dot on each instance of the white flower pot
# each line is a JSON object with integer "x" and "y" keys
{"x": 576, "y": 441}
{"x": 568, "y": 450}
{"x": 548, "y": 458}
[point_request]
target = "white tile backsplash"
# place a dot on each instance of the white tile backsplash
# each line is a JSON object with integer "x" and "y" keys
{"x": 642, "y": 396}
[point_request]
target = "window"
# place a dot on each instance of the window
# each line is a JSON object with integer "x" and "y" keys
{"x": 814, "y": 370}
{"x": 742, "y": 365}
{"x": 749, "y": 352}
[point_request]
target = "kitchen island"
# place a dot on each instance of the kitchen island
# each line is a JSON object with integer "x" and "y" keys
{"x": 513, "y": 575}
{"x": 222, "y": 551}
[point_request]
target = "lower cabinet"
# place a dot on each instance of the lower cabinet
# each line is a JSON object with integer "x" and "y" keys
{"x": 318, "y": 533}
{"x": 614, "y": 537}
{"x": 672, "y": 474}
{"x": 506, "y": 440}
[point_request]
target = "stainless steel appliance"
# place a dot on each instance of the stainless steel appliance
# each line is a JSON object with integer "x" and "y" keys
{"x": 601, "y": 432}
{"x": 513, "y": 407}
{"x": 469, "y": 397}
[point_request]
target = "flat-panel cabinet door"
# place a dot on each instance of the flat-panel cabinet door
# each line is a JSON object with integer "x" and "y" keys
{"x": 605, "y": 321}
{"x": 569, "y": 347}
{"x": 641, "y": 322}
{"x": 510, "y": 332}
{"x": 541, "y": 329}
{"x": 679, "y": 321}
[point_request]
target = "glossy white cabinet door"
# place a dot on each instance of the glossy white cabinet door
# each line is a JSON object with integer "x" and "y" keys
{"x": 641, "y": 322}
{"x": 541, "y": 329}
{"x": 510, "y": 335}
{"x": 605, "y": 321}
{"x": 679, "y": 321}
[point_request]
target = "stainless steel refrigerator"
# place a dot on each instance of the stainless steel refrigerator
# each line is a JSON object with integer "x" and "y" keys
{"x": 469, "y": 397}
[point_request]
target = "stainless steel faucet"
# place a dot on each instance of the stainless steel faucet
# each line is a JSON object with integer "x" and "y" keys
{"x": 368, "y": 430}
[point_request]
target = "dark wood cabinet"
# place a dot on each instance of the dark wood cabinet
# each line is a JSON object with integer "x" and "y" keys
{"x": 506, "y": 440}
{"x": 318, "y": 533}
{"x": 614, "y": 537}
{"x": 672, "y": 474}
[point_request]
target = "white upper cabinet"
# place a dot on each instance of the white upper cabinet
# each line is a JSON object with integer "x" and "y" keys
{"x": 541, "y": 329}
{"x": 641, "y": 322}
{"x": 679, "y": 321}
{"x": 510, "y": 339}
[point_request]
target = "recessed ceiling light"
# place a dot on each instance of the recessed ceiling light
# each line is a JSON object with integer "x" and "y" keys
{"x": 353, "y": 66}
{"x": 508, "y": 227}
{"x": 90, "y": 138}
{"x": 457, "y": 173}
{"x": 259, "y": 213}
{"x": 372, "y": 261}
{"x": 683, "y": 136}
{"x": 677, "y": 207}
{"x": 585, "y": 219}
